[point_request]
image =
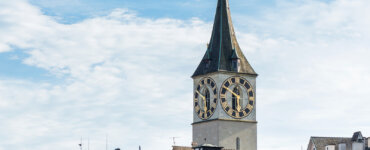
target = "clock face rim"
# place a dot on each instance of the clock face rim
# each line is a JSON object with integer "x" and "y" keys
{"x": 213, "y": 99}
{"x": 251, "y": 98}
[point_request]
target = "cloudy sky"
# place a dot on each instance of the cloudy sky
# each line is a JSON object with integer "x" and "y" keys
{"x": 121, "y": 68}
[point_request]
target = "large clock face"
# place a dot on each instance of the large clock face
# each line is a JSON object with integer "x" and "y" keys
{"x": 205, "y": 98}
{"x": 237, "y": 97}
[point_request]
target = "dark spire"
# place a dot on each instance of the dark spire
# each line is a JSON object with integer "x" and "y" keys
{"x": 223, "y": 46}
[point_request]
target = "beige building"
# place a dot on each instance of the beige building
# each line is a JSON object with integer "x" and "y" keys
{"x": 181, "y": 148}
{"x": 356, "y": 142}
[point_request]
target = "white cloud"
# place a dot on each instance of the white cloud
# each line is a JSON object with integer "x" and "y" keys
{"x": 314, "y": 79}
{"x": 119, "y": 76}
{"x": 129, "y": 76}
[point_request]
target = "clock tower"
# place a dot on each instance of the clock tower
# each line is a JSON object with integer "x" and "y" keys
{"x": 224, "y": 96}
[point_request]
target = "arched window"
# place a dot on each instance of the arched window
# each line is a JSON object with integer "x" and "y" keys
{"x": 237, "y": 143}
{"x": 234, "y": 98}
{"x": 208, "y": 101}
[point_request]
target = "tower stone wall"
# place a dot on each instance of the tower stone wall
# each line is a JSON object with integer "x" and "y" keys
{"x": 225, "y": 132}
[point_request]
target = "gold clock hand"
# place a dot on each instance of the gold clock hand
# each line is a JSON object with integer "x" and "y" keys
{"x": 201, "y": 95}
{"x": 237, "y": 98}
{"x": 236, "y": 95}
{"x": 204, "y": 101}
{"x": 238, "y": 103}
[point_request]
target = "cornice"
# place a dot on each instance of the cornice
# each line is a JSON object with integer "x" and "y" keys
{"x": 229, "y": 120}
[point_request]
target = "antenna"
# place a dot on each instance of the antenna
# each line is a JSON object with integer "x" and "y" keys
{"x": 80, "y": 144}
{"x": 139, "y": 147}
{"x": 88, "y": 143}
{"x": 106, "y": 142}
{"x": 173, "y": 139}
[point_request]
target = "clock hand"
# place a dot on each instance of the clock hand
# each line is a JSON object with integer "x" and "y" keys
{"x": 204, "y": 101}
{"x": 201, "y": 95}
{"x": 238, "y": 103}
{"x": 237, "y": 98}
{"x": 236, "y": 95}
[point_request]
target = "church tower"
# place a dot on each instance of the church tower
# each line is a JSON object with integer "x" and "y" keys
{"x": 225, "y": 90}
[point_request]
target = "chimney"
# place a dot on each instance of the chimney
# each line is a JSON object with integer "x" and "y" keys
{"x": 194, "y": 144}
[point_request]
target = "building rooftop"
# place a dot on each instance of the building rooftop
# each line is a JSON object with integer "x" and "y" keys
{"x": 321, "y": 142}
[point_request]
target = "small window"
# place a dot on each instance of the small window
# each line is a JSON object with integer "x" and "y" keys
{"x": 237, "y": 143}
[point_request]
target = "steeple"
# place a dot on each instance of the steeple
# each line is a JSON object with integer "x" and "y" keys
{"x": 223, "y": 50}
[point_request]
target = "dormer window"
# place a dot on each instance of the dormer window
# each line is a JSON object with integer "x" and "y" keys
{"x": 235, "y": 62}
{"x": 207, "y": 59}
{"x": 236, "y": 65}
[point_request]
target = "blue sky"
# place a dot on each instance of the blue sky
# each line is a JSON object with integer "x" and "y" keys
{"x": 78, "y": 68}
{"x": 75, "y": 10}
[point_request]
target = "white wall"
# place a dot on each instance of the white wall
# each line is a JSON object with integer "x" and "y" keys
{"x": 358, "y": 146}
{"x": 342, "y": 146}
{"x": 330, "y": 147}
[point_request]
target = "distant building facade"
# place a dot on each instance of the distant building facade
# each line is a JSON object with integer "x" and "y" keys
{"x": 181, "y": 148}
{"x": 357, "y": 142}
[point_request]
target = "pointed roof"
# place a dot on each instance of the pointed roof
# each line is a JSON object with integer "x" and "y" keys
{"x": 223, "y": 46}
{"x": 321, "y": 142}
{"x": 357, "y": 136}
